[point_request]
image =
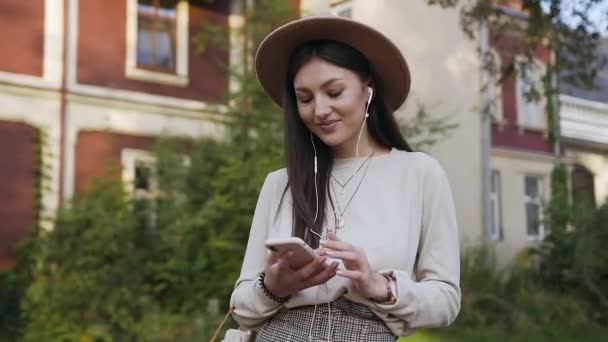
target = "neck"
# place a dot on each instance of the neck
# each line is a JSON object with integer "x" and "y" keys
{"x": 348, "y": 149}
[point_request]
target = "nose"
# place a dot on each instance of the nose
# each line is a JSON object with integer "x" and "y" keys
{"x": 322, "y": 108}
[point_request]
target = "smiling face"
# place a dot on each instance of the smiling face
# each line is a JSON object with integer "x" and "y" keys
{"x": 331, "y": 102}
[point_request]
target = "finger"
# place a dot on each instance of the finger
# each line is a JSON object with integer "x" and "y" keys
{"x": 337, "y": 245}
{"x": 325, "y": 275}
{"x": 354, "y": 275}
{"x": 282, "y": 265}
{"x": 346, "y": 256}
{"x": 321, "y": 251}
{"x": 275, "y": 257}
{"x": 312, "y": 268}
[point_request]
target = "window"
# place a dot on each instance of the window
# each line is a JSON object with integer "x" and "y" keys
{"x": 139, "y": 173}
{"x": 530, "y": 103}
{"x": 141, "y": 183}
{"x": 495, "y": 203}
{"x": 583, "y": 188}
{"x": 157, "y": 41}
{"x": 343, "y": 8}
{"x": 533, "y": 199}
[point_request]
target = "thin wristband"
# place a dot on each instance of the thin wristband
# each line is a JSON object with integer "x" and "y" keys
{"x": 390, "y": 295}
{"x": 268, "y": 293}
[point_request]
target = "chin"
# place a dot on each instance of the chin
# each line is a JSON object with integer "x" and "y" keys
{"x": 331, "y": 140}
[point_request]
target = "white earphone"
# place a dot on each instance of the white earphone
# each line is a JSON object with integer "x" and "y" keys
{"x": 369, "y": 100}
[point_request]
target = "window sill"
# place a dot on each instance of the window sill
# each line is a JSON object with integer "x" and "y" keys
{"x": 157, "y": 77}
{"x": 539, "y": 129}
{"x": 535, "y": 239}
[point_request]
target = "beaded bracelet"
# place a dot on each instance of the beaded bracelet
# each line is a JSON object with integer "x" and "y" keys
{"x": 271, "y": 295}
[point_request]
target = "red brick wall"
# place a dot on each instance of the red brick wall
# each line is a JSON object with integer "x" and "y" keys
{"x": 98, "y": 155}
{"x": 102, "y": 51}
{"x": 22, "y": 36}
{"x": 510, "y": 135}
{"x": 17, "y": 163}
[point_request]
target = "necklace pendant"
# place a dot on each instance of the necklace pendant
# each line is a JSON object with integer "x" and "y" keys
{"x": 340, "y": 223}
{"x": 341, "y": 192}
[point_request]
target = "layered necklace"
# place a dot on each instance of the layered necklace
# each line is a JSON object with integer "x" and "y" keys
{"x": 343, "y": 187}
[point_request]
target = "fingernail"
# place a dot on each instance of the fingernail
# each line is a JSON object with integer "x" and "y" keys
{"x": 329, "y": 253}
{"x": 339, "y": 272}
{"x": 323, "y": 242}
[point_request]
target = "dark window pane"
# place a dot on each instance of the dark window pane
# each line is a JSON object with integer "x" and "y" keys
{"x": 167, "y": 4}
{"x": 494, "y": 218}
{"x": 145, "y": 41}
{"x": 583, "y": 188}
{"x": 532, "y": 218}
{"x": 143, "y": 173}
{"x": 495, "y": 180}
{"x": 165, "y": 47}
{"x": 156, "y": 41}
{"x": 532, "y": 186}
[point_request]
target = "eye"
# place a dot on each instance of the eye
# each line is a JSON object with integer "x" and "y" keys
{"x": 303, "y": 99}
{"x": 334, "y": 94}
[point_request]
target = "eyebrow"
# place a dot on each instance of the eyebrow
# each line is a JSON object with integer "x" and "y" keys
{"x": 331, "y": 80}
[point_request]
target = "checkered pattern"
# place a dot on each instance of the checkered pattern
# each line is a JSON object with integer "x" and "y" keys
{"x": 349, "y": 322}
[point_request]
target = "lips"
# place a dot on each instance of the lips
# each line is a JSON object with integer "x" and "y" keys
{"x": 328, "y": 126}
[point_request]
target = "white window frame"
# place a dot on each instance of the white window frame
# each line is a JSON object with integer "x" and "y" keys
{"x": 496, "y": 207}
{"x": 129, "y": 159}
{"x": 539, "y": 200}
{"x": 522, "y": 101}
{"x": 340, "y": 6}
{"x": 181, "y": 77}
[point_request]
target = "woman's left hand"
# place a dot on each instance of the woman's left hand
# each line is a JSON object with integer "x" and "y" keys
{"x": 367, "y": 283}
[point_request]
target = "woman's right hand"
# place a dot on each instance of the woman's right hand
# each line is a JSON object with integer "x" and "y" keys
{"x": 282, "y": 280}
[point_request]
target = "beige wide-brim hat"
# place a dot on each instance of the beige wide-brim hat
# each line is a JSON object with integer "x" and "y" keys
{"x": 386, "y": 60}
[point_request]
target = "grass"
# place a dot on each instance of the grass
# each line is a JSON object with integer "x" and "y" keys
{"x": 488, "y": 334}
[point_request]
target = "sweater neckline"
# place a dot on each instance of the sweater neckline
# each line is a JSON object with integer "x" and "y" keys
{"x": 341, "y": 163}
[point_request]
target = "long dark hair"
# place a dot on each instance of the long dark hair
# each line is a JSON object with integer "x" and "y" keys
{"x": 381, "y": 126}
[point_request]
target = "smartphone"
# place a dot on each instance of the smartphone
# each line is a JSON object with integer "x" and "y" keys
{"x": 302, "y": 253}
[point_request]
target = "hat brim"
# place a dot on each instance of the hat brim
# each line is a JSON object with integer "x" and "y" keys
{"x": 384, "y": 56}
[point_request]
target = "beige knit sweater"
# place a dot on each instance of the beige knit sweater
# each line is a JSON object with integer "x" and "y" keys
{"x": 402, "y": 216}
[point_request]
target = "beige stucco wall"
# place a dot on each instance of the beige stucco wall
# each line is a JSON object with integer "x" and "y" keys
{"x": 513, "y": 167}
{"x": 597, "y": 163}
{"x": 445, "y": 78}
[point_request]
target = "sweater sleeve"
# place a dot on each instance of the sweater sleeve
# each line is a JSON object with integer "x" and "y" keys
{"x": 432, "y": 298}
{"x": 250, "y": 305}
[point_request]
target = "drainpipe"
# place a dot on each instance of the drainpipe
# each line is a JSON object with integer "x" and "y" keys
{"x": 486, "y": 138}
{"x": 557, "y": 150}
{"x": 62, "y": 103}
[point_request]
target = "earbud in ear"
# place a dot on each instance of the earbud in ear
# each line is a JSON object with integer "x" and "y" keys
{"x": 371, "y": 93}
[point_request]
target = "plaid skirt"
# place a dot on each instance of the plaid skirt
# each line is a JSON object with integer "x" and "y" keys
{"x": 349, "y": 322}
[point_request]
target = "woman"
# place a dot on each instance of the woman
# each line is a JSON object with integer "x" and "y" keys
{"x": 353, "y": 189}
